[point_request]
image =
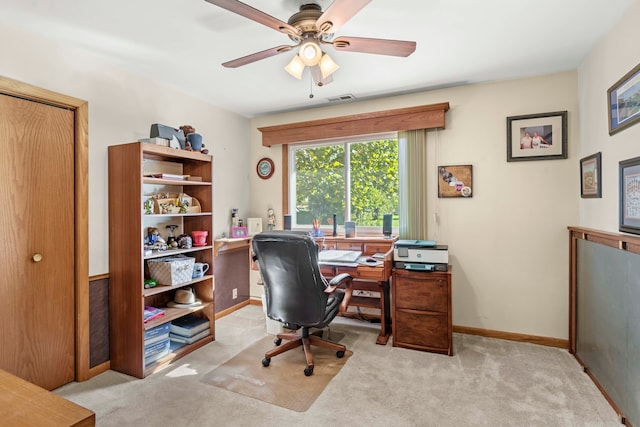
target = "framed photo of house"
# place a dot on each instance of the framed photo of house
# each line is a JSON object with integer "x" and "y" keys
{"x": 624, "y": 101}
{"x": 455, "y": 181}
{"x": 540, "y": 136}
{"x": 630, "y": 195}
{"x": 591, "y": 176}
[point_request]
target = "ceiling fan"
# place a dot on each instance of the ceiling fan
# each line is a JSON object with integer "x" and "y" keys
{"x": 311, "y": 28}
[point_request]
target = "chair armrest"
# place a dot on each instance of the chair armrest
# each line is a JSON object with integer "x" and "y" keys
{"x": 339, "y": 280}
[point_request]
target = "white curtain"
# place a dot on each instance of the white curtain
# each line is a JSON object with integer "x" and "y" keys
{"x": 412, "y": 165}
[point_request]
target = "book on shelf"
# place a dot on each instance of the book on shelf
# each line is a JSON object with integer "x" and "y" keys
{"x": 157, "y": 330}
{"x": 189, "y": 325}
{"x": 168, "y": 176}
{"x": 189, "y": 340}
{"x": 175, "y": 345}
{"x": 155, "y": 339}
{"x": 151, "y": 313}
{"x": 149, "y": 360}
{"x": 156, "y": 348}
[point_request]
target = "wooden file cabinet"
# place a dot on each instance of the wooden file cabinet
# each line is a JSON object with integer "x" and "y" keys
{"x": 421, "y": 312}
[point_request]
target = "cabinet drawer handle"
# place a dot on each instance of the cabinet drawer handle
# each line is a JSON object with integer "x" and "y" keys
{"x": 36, "y": 257}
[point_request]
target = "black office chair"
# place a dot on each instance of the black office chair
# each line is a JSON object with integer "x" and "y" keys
{"x": 297, "y": 295}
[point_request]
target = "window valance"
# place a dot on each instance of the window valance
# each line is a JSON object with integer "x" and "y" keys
{"x": 411, "y": 118}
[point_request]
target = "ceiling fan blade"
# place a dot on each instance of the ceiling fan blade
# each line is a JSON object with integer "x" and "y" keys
{"x": 255, "y": 15}
{"x": 376, "y": 46}
{"x": 316, "y": 73}
{"x": 257, "y": 56}
{"x": 338, "y": 13}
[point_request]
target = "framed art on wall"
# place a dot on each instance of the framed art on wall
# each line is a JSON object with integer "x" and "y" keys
{"x": 624, "y": 101}
{"x": 455, "y": 181}
{"x": 630, "y": 195}
{"x": 591, "y": 176}
{"x": 540, "y": 136}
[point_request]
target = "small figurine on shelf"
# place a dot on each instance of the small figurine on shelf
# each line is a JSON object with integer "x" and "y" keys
{"x": 271, "y": 219}
{"x": 171, "y": 239}
{"x": 234, "y": 218}
{"x": 183, "y": 205}
{"x": 152, "y": 235}
{"x": 184, "y": 241}
{"x": 315, "y": 228}
{"x": 148, "y": 206}
{"x": 154, "y": 241}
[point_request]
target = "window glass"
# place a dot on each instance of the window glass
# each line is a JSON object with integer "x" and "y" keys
{"x": 356, "y": 180}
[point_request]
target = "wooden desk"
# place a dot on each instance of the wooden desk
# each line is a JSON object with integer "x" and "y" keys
{"x": 26, "y": 404}
{"x": 366, "y": 278}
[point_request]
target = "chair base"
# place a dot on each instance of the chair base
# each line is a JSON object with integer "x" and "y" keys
{"x": 306, "y": 340}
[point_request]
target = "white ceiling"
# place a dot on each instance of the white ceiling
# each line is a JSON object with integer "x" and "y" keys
{"x": 181, "y": 43}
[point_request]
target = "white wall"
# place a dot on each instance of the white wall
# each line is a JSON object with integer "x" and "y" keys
{"x": 508, "y": 243}
{"x": 122, "y": 107}
{"x": 616, "y": 55}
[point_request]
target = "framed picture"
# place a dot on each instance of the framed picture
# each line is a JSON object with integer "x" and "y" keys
{"x": 590, "y": 176}
{"x": 238, "y": 232}
{"x": 630, "y": 195}
{"x": 254, "y": 226}
{"x": 537, "y": 137}
{"x": 455, "y": 181}
{"x": 624, "y": 101}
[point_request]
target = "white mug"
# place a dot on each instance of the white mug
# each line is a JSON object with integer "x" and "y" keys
{"x": 199, "y": 268}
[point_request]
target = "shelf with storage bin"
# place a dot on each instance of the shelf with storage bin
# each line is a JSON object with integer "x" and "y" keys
{"x": 129, "y": 188}
{"x": 160, "y": 289}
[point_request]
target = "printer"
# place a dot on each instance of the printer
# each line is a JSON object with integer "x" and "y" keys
{"x": 420, "y": 255}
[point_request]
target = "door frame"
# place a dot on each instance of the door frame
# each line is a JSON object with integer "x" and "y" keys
{"x": 81, "y": 207}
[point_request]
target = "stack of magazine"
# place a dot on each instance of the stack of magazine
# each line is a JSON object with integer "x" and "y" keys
{"x": 156, "y": 343}
{"x": 189, "y": 329}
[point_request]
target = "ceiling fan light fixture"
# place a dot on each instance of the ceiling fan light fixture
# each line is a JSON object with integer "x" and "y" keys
{"x": 295, "y": 67}
{"x": 310, "y": 52}
{"x": 327, "y": 66}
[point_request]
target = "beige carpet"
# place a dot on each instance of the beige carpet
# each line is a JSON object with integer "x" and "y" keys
{"x": 283, "y": 382}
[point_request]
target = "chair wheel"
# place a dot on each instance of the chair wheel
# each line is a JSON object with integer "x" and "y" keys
{"x": 277, "y": 341}
{"x": 340, "y": 354}
{"x": 308, "y": 371}
{"x": 265, "y": 362}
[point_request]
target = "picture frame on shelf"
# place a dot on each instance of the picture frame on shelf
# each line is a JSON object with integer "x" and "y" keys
{"x": 629, "y": 189}
{"x": 254, "y": 226}
{"x": 455, "y": 181}
{"x": 591, "y": 176}
{"x": 238, "y": 232}
{"x": 541, "y": 136}
{"x": 623, "y": 99}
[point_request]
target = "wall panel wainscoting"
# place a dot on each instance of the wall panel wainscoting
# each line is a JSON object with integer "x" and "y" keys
{"x": 605, "y": 315}
{"x": 98, "y": 324}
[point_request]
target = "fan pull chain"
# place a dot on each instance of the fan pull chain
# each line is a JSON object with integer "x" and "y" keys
{"x": 310, "y": 86}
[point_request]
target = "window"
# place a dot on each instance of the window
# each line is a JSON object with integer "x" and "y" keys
{"x": 355, "y": 179}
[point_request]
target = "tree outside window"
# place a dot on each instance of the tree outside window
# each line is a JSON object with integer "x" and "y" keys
{"x": 357, "y": 181}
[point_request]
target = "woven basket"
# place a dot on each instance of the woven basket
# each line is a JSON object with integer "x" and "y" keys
{"x": 171, "y": 271}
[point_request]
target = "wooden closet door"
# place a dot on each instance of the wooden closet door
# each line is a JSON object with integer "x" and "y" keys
{"x": 37, "y": 328}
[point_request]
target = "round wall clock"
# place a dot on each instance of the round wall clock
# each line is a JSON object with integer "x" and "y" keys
{"x": 265, "y": 168}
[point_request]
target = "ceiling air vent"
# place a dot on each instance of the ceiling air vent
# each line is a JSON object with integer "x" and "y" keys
{"x": 342, "y": 98}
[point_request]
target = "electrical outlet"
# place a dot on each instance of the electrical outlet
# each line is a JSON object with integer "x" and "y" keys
{"x": 234, "y": 295}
